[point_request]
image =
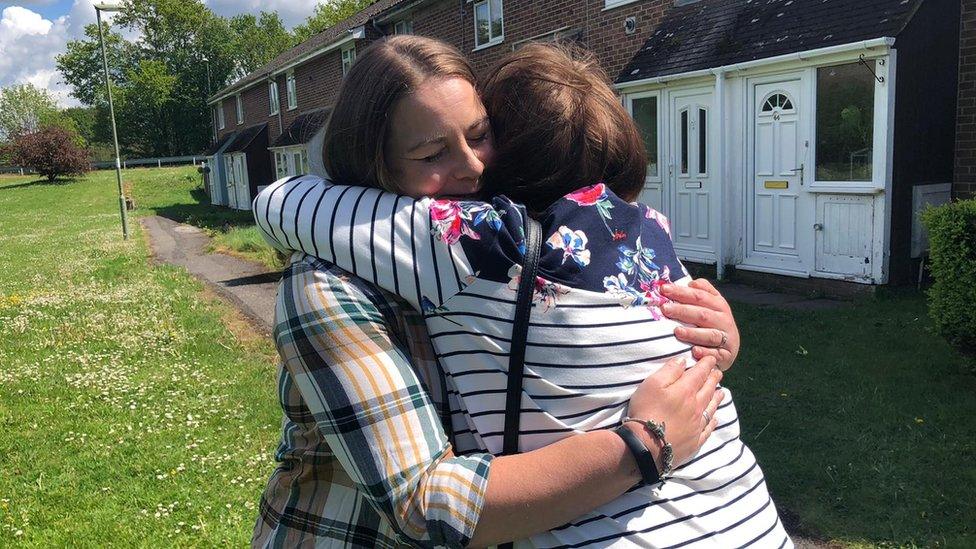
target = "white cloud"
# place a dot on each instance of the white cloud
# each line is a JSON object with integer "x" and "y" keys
{"x": 28, "y": 46}
{"x": 292, "y": 12}
{"x": 18, "y": 21}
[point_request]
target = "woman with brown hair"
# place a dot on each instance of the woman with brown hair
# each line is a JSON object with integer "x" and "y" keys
{"x": 435, "y": 141}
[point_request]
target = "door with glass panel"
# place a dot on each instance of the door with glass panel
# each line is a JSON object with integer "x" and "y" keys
{"x": 230, "y": 180}
{"x": 691, "y": 174}
{"x": 781, "y": 210}
{"x": 644, "y": 108}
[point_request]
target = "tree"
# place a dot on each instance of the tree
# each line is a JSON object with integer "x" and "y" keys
{"x": 81, "y": 64}
{"x": 178, "y": 42}
{"x": 328, "y": 14}
{"x": 258, "y": 40}
{"x": 52, "y": 152}
{"x": 25, "y": 108}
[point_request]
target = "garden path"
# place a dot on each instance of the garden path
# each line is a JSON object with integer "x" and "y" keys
{"x": 246, "y": 284}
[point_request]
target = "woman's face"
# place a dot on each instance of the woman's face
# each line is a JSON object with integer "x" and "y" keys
{"x": 440, "y": 140}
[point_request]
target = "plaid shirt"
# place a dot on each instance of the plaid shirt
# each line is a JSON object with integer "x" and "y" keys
{"x": 363, "y": 459}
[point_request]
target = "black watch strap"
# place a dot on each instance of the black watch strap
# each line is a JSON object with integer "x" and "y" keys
{"x": 643, "y": 456}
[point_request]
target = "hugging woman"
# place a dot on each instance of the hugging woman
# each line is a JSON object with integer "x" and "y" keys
{"x": 365, "y": 459}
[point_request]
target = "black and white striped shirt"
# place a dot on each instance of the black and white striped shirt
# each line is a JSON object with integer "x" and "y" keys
{"x": 595, "y": 334}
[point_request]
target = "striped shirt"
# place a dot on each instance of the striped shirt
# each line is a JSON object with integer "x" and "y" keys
{"x": 596, "y": 333}
{"x": 363, "y": 459}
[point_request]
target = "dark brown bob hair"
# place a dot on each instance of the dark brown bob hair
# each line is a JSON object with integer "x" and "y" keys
{"x": 558, "y": 126}
{"x": 385, "y": 72}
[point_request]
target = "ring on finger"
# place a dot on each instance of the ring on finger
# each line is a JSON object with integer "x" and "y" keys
{"x": 725, "y": 339}
{"x": 706, "y": 416}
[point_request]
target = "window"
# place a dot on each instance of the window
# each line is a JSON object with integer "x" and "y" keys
{"x": 684, "y": 142}
{"x": 488, "y": 24}
{"x": 615, "y": 3}
{"x": 702, "y": 141}
{"x": 291, "y": 161}
{"x": 845, "y": 123}
{"x": 777, "y": 101}
{"x": 273, "y": 96}
{"x": 220, "y": 115}
{"x": 240, "y": 109}
{"x": 403, "y": 27}
{"x": 645, "y": 115}
{"x": 348, "y": 57}
{"x": 292, "y": 92}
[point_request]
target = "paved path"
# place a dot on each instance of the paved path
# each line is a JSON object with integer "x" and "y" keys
{"x": 248, "y": 285}
{"x": 252, "y": 289}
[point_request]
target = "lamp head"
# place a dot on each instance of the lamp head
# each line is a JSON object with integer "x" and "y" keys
{"x": 105, "y": 5}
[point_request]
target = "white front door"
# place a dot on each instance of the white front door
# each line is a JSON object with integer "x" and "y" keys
{"x": 241, "y": 183}
{"x": 230, "y": 180}
{"x": 780, "y": 213}
{"x": 692, "y": 172}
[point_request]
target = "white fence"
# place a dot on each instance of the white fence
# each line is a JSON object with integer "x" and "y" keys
{"x": 144, "y": 162}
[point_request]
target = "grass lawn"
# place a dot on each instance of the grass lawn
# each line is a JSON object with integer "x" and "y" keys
{"x": 131, "y": 414}
{"x": 862, "y": 420}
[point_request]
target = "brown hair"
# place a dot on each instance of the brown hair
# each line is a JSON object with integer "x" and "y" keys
{"x": 558, "y": 126}
{"x": 386, "y": 71}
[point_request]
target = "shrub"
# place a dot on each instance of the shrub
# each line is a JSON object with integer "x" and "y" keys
{"x": 52, "y": 152}
{"x": 952, "y": 298}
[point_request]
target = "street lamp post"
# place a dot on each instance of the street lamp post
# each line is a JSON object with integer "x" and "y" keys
{"x": 99, "y": 8}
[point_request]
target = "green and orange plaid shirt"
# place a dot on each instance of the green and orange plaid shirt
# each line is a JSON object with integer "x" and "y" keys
{"x": 364, "y": 460}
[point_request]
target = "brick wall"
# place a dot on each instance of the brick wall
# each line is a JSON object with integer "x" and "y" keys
{"x": 965, "y": 166}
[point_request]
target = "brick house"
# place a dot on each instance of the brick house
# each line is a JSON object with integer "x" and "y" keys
{"x": 784, "y": 135}
{"x": 965, "y": 169}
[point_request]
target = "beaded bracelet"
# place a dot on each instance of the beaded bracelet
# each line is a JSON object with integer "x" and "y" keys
{"x": 667, "y": 453}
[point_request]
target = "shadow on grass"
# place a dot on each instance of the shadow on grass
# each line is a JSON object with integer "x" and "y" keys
{"x": 38, "y": 183}
{"x": 266, "y": 278}
{"x": 203, "y": 214}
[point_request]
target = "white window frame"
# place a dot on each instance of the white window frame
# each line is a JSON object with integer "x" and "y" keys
{"x": 273, "y": 97}
{"x": 882, "y": 141}
{"x": 658, "y": 97}
{"x": 610, "y": 4}
{"x": 291, "y": 90}
{"x": 221, "y": 123}
{"x": 240, "y": 109}
{"x": 492, "y": 40}
{"x": 284, "y": 161}
{"x": 348, "y": 58}
{"x": 404, "y": 26}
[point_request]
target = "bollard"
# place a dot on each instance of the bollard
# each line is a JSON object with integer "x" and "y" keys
{"x": 159, "y": 163}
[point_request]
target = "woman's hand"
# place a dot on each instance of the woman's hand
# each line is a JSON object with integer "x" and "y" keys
{"x": 701, "y": 304}
{"x": 678, "y": 397}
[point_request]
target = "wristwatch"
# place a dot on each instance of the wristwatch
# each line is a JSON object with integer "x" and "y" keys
{"x": 643, "y": 456}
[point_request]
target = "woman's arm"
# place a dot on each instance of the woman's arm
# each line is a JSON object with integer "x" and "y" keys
{"x": 405, "y": 246}
{"x": 334, "y": 342}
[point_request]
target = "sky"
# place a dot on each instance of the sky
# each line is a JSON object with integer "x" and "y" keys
{"x": 34, "y": 32}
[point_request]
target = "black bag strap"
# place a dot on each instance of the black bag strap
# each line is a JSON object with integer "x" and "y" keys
{"x": 520, "y": 330}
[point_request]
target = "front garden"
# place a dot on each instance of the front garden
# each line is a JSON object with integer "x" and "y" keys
{"x": 137, "y": 410}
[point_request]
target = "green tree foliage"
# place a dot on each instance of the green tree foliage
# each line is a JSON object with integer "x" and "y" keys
{"x": 24, "y": 108}
{"x": 327, "y": 14}
{"x": 258, "y": 40}
{"x": 81, "y": 64}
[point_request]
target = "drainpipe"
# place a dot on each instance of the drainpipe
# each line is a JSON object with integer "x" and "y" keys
{"x": 722, "y": 172}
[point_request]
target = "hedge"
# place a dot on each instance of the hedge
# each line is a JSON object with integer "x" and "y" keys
{"x": 952, "y": 297}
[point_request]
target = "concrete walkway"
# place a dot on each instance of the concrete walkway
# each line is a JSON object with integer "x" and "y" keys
{"x": 246, "y": 284}
{"x": 252, "y": 289}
